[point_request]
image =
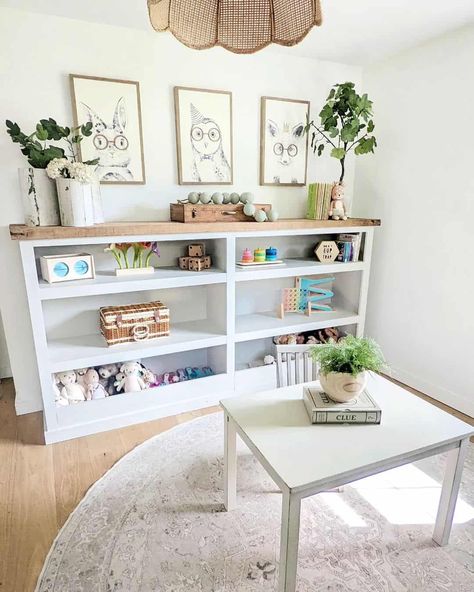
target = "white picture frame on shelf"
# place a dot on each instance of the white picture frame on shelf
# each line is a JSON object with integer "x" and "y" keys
{"x": 203, "y": 136}
{"x": 113, "y": 107}
{"x": 283, "y": 143}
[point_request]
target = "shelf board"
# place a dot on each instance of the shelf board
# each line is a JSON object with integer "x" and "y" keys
{"x": 91, "y": 350}
{"x": 108, "y": 283}
{"x": 268, "y": 324}
{"x": 295, "y": 267}
{"x": 23, "y": 232}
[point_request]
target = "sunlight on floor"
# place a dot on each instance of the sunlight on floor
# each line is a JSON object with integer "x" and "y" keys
{"x": 342, "y": 509}
{"x": 406, "y": 495}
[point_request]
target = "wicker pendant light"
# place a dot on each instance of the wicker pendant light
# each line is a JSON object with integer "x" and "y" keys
{"x": 241, "y": 26}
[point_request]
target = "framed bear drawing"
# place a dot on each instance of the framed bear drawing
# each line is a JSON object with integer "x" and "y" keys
{"x": 203, "y": 136}
{"x": 283, "y": 143}
{"x": 113, "y": 108}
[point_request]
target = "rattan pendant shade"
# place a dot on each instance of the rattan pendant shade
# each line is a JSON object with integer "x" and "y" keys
{"x": 241, "y": 26}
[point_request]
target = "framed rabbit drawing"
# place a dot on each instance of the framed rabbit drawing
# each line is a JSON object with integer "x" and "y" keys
{"x": 203, "y": 136}
{"x": 113, "y": 108}
{"x": 283, "y": 143}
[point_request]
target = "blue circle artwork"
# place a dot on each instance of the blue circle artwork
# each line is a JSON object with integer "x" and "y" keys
{"x": 61, "y": 269}
{"x": 81, "y": 267}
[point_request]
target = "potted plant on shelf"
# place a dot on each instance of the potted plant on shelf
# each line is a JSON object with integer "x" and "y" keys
{"x": 141, "y": 259}
{"x": 343, "y": 366}
{"x": 345, "y": 125}
{"x": 39, "y": 192}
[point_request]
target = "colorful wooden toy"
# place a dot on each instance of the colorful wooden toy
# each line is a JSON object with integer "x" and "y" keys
{"x": 247, "y": 256}
{"x": 271, "y": 254}
{"x": 259, "y": 255}
{"x": 315, "y": 295}
{"x": 64, "y": 268}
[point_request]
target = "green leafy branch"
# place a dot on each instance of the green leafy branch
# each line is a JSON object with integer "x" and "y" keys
{"x": 37, "y": 146}
{"x": 345, "y": 124}
{"x": 350, "y": 355}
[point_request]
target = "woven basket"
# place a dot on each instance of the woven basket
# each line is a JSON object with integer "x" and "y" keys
{"x": 134, "y": 322}
{"x": 241, "y": 26}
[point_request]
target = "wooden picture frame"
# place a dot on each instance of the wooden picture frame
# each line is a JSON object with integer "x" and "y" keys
{"x": 282, "y": 124}
{"x": 117, "y": 123}
{"x": 204, "y": 159}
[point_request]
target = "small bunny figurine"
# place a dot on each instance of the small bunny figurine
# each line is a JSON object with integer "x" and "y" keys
{"x": 337, "y": 209}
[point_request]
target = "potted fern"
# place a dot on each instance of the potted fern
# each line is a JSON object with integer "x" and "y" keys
{"x": 343, "y": 366}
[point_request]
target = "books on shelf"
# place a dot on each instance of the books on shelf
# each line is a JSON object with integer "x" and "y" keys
{"x": 349, "y": 247}
{"x": 319, "y": 201}
{"x": 321, "y": 409}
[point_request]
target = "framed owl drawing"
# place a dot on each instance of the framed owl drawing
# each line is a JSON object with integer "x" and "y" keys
{"x": 113, "y": 108}
{"x": 203, "y": 136}
{"x": 283, "y": 143}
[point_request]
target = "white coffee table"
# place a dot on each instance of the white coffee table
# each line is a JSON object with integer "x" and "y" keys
{"x": 305, "y": 459}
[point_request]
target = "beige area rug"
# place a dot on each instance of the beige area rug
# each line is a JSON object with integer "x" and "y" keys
{"x": 155, "y": 522}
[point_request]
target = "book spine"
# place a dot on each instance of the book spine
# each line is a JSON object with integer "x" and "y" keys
{"x": 373, "y": 417}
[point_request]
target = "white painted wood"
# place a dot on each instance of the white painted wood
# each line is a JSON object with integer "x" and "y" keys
{"x": 276, "y": 428}
{"x": 364, "y": 284}
{"x": 289, "y": 538}
{"x": 66, "y": 336}
{"x": 230, "y": 464}
{"x": 449, "y": 493}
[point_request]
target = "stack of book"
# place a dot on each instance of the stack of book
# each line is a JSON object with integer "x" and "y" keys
{"x": 349, "y": 247}
{"x": 322, "y": 409}
{"x": 319, "y": 201}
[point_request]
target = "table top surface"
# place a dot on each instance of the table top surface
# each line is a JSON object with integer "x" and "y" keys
{"x": 305, "y": 456}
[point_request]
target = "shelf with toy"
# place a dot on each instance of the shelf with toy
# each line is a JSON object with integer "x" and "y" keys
{"x": 107, "y": 283}
{"x": 294, "y": 267}
{"x": 91, "y": 350}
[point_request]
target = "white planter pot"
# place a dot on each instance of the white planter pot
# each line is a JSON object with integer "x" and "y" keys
{"x": 75, "y": 202}
{"x": 97, "y": 203}
{"x": 343, "y": 387}
{"x": 134, "y": 271}
{"x": 39, "y": 197}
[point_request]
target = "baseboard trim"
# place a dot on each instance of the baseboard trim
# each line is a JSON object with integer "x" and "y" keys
{"x": 434, "y": 391}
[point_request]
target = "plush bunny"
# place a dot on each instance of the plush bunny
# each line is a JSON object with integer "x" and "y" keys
{"x": 107, "y": 377}
{"x": 132, "y": 381}
{"x": 94, "y": 390}
{"x": 71, "y": 392}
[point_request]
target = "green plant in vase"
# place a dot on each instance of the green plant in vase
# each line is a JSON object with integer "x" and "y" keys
{"x": 343, "y": 366}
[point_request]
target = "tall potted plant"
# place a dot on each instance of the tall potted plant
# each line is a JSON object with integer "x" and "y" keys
{"x": 343, "y": 366}
{"x": 39, "y": 194}
{"x": 345, "y": 125}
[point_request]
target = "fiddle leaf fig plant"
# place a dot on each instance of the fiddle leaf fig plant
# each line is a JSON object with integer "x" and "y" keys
{"x": 345, "y": 124}
{"x": 37, "y": 146}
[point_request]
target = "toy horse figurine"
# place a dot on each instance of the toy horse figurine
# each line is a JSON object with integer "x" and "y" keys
{"x": 337, "y": 209}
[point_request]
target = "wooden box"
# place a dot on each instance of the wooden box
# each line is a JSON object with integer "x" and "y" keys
{"x": 134, "y": 322}
{"x": 212, "y": 212}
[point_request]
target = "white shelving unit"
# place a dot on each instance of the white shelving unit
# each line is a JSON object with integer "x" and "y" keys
{"x": 224, "y": 317}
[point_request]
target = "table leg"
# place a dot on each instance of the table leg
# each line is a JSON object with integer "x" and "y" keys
{"x": 290, "y": 530}
{"x": 230, "y": 464}
{"x": 449, "y": 492}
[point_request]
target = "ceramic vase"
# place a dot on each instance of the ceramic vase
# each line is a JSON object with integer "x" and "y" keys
{"x": 97, "y": 203}
{"x": 39, "y": 197}
{"x": 75, "y": 202}
{"x": 342, "y": 387}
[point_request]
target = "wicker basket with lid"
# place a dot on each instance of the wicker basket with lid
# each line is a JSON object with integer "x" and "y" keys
{"x": 134, "y": 322}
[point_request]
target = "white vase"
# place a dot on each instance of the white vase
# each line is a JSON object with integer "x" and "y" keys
{"x": 342, "y": 387}
{"x": 75, "y": 202}
{"x": 39, "y": 197}
{"x": 97, "y": 203}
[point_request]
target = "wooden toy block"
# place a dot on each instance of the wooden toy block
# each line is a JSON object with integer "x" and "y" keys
{"x": 207, "y": 261}
{"x": 197, "y": 250}
{"x": 184, "y": 262}
{"x": 196, "y": 263}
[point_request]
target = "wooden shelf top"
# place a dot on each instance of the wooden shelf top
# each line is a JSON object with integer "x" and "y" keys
{"x": 23, "y": 232}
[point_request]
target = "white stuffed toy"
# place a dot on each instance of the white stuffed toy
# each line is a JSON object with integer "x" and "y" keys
{"x": 80, "y": 374}
{"x": 71, "y": 392}
{"x": 132, "y": 382}
{"x": 94, "y": 390}
{"x": 108, "y": 376}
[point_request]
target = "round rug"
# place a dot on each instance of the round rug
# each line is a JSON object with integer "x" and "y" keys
{"x": 155, "y": 522}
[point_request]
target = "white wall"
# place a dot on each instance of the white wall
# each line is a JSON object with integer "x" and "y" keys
{"x": 36, "y": 55}
{"x": 421, "y": 184}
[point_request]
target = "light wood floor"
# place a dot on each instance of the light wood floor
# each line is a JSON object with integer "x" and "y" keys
{"x": 41, "y": 485}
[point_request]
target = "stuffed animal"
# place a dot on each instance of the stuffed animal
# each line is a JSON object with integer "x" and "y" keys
{"x": 207, "y": 371}
{"x": 337, "y": 209}
{"x": 181, "y": 374}
{"x": 285, "y": 339}
{"x": 94, "y": 389}
{"x": 71, "y": 392}
{"x": 57, "y": 393}
{"x": 149, "y": 378}
{"x": 80, "y": 373}
{"x": 131, "y": 382}
{"x": 118, "y": 379}
{"x": 268, "y": 359}
{"x": 107, "y": 377}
